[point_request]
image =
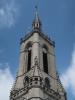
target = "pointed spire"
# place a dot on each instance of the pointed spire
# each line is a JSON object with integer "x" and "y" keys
{"x": 36, "y": 14}
{"x": 36, "y": 22}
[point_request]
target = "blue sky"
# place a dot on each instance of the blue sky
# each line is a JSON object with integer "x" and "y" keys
{"x": 58, "y": 21}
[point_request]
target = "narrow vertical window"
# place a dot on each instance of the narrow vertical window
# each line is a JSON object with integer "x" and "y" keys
{"x": 29, "y": 60}
{"x": 45, "y": 62}
{"x": 29, "y": 50}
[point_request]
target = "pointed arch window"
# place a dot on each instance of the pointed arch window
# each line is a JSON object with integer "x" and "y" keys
{"x": 29, "y": 60}
{"x": 26, "y": 80}
{"x": 45, "y": 60}
{"x": 29, "y": 49}
{"x": 47, "y": 82}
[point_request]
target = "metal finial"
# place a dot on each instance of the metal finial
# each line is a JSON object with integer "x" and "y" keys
{"x": 36, "y": 12}
{"x": 36, "y": 7}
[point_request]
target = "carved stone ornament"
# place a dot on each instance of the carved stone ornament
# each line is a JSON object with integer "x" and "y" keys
{"x": 36, "y": 60}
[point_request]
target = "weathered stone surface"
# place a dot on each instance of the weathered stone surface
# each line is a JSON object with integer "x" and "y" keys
{"x": 36, "y": 84}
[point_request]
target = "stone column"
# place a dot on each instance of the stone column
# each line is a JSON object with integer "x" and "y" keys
{"x": 35, "y": 47}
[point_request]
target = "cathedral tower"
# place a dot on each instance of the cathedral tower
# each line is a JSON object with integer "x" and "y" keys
{"x": 37, "y": 78}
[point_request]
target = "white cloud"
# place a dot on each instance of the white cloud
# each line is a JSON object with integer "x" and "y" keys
{"x": 6, "y": 81}
{"x": 68, "y": 78}
{"x": 9, "y": 11}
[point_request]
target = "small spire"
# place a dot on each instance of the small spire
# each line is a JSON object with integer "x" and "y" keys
{"x": 36, "y": 22}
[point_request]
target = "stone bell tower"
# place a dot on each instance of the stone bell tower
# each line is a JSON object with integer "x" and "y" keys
{"x": 37, "y": 78}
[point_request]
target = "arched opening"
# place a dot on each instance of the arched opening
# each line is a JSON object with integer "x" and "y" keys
{"x": 26, "y": 80}
{"x": 45, "y": 60}
{"x": 28, "y": 49}
{"x": 29, "y": 60}
{"x": 47, "y": 82}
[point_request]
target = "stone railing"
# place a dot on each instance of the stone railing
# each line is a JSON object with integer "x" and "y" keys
{"x": 36, "y": 82}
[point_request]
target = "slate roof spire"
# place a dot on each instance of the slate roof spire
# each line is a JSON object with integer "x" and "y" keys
{"x": 36, "y": 22}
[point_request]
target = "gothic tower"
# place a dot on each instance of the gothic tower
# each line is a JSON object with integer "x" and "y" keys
{"x": 37, "y": 78}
